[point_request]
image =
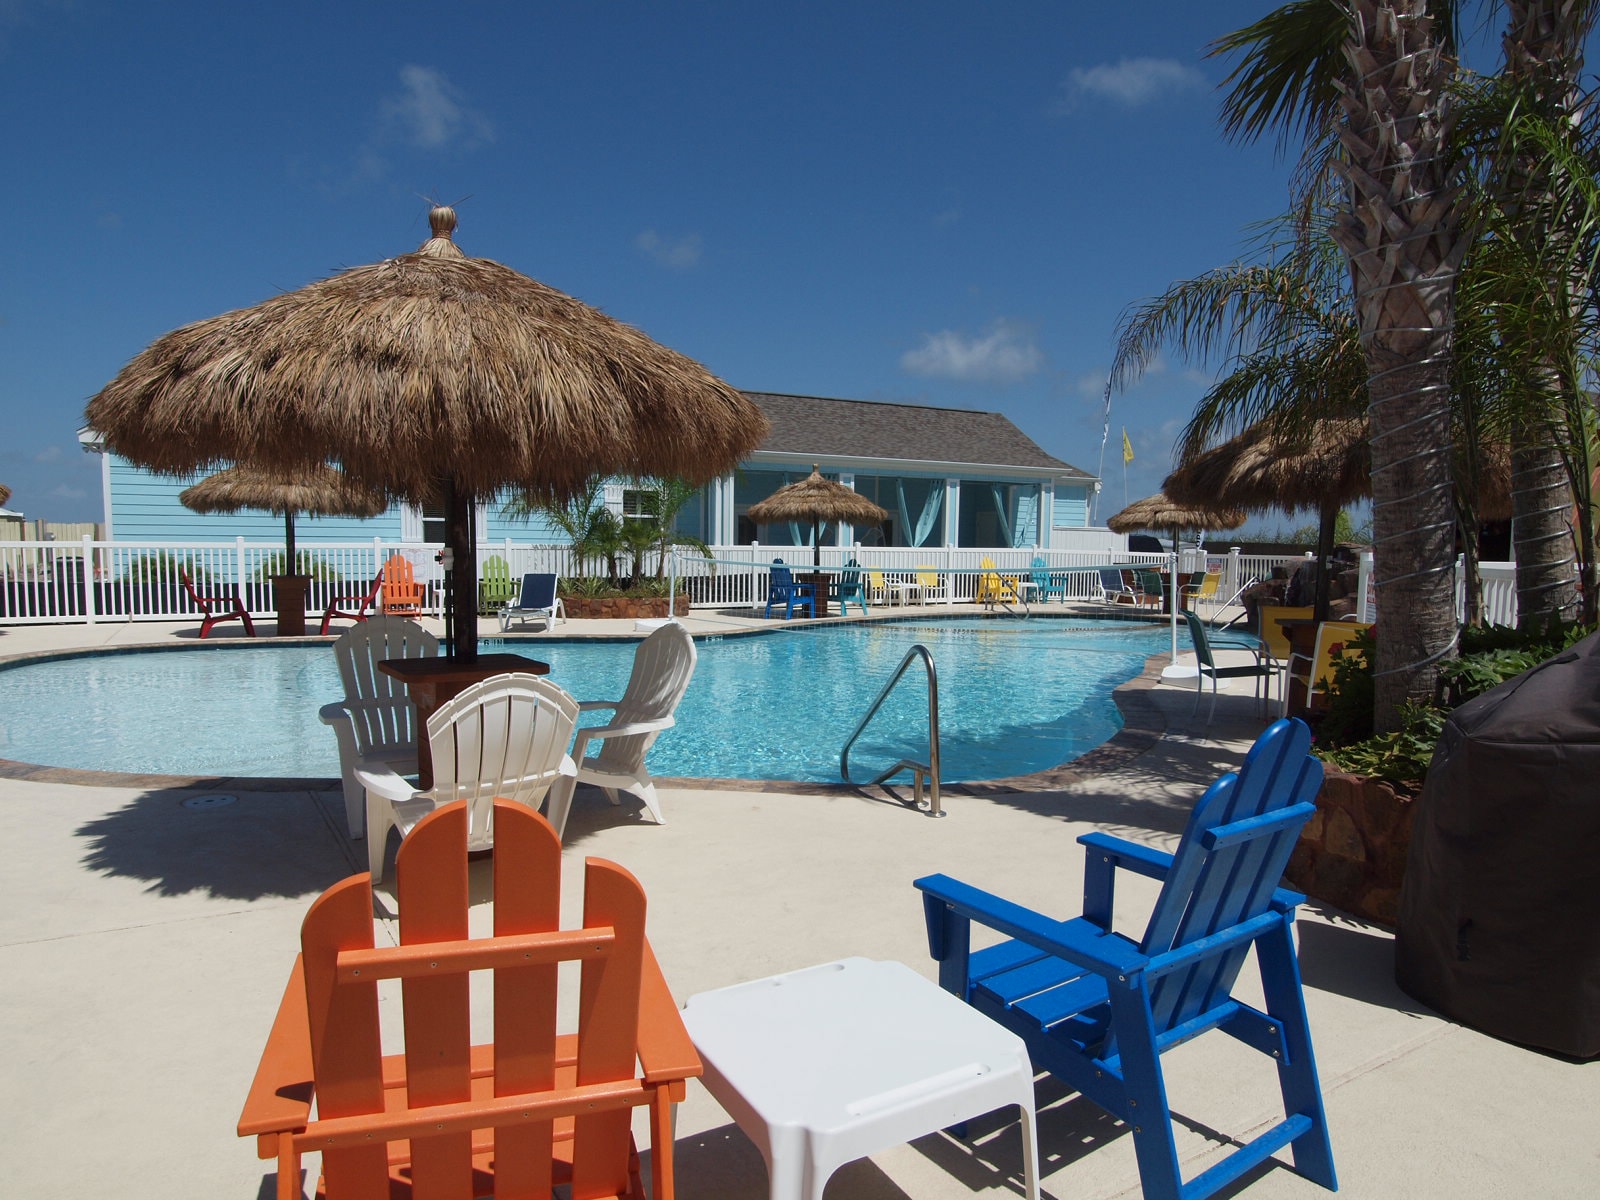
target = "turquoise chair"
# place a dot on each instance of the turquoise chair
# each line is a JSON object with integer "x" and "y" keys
{"x": 851, "y": 587}
{"x": 1097, "y": 1009}
{"x": 1045, "y": 584}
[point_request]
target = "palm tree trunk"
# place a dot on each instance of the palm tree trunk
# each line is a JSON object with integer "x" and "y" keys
{"x": 1544, "y": 53}
{"x": 1401, "y": 235}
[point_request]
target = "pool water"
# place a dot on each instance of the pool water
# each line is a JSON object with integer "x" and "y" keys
{"x": 1014, "y": 697}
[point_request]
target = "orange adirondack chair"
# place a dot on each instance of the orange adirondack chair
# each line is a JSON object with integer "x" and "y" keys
{"x": 402, "y": 594}
{"x": 447, "y": 1119}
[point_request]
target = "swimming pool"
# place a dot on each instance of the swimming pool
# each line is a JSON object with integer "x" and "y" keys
{"x": 1014, "y": 697}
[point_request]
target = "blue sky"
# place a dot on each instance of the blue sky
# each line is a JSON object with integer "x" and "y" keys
{"x": 941, "y": 203}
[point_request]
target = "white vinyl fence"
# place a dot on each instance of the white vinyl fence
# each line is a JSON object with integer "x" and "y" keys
{"x": 90, "y": 581}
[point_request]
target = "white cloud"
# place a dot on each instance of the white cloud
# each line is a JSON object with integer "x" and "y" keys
{"x": 1091, "y": 385}
{"x": 49, "y": 454}
{"x": 431, "y": 112}
{"x": 1131, "y": 82}
{"x": 1005, "y": 353}
{"x": 680, "y": 254}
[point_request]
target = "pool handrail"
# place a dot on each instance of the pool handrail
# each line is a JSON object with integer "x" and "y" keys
{"x": 929, "y": 770}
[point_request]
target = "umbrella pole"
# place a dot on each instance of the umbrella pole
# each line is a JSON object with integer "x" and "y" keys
{"x": 461, "y": 580}
{"x": 816, "y": 543}
{"x": 288, "y": 542}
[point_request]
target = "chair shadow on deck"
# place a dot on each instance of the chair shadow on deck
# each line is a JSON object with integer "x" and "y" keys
{"x": 261, "y": 845}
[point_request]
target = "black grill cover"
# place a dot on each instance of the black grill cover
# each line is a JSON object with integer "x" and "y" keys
{"x": 1500, "y": 909}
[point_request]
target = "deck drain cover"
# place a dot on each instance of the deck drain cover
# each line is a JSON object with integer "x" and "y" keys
{"x": 213, "y": 801}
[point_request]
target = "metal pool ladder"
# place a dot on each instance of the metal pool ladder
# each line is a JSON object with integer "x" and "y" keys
{"x": 920, "y": 772}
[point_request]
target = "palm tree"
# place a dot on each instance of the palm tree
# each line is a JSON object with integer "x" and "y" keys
{"x": 1384, "y": 92}
{"x": 592, "y": 530}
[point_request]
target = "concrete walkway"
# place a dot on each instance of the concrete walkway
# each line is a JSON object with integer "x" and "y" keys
{"x": 144, "y": 943}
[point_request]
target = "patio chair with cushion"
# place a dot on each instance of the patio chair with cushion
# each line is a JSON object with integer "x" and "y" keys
{"x": 352, "y": 607}
{"x": 217, "y": 607}
{"x": 495, "y": 586}
{"x": 1098, "y": 1009}
{"x": 375, "y": 723}
{"x": 1114, "y": 588}
{"x": 662, "y": 667}
{"x": 537, "y": 599}
{"x": 528, "y": 1112}
{"x": 504, "y": 737}
{"x": 402, "y": 594}
{"x": 782, "y": 588}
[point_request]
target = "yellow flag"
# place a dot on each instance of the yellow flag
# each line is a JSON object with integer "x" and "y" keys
{"x": 1127, "y": 447}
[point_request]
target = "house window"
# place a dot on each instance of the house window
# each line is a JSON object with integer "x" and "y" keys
{"x": 639, "y": 504}
{"x": 433, "y": 523}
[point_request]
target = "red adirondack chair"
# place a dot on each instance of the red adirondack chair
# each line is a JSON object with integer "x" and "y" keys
{"x": 216, "y": 609}
{"x": 339, "y": 606}
{"x": 445, "y": 1118}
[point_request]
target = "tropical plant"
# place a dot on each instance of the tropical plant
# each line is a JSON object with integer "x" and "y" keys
{"x": 308, "y": 562}
{"x": 593, "y": 531}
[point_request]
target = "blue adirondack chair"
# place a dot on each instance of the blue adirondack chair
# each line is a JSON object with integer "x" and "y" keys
{"x": 785, "y": 591}
{"x": 1045, "y": 584}
{"x": 851, "y": 587}
{"x": 1098, "y": 1009}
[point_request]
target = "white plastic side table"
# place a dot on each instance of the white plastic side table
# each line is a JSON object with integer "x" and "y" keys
{"x": 829, "y": 1064}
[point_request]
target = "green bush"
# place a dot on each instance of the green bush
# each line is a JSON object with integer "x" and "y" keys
{"x": 163, "y": 567}
{"x": 317, "y": 568}
{"x": 592, "y": 587}
{"x": 1489, "y": 656}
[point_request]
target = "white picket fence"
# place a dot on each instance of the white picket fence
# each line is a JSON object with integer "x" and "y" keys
{"x": 89, "y": 581}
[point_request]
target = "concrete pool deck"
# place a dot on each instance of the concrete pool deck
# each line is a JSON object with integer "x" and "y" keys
{"x": 144, "y": 945}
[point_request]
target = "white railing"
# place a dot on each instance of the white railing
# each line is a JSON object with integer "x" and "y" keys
{"x": 90, "y": 581}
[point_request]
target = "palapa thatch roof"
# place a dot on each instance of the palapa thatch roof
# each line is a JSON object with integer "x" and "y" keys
{"x": 1160, "y": 513}
{"x": 816, "y": 499}
{"x": 319, "y": 491}
{"x": 425, "y": 367}
{"x": 1328, "y": 464}
{"x": 5, "y": 493}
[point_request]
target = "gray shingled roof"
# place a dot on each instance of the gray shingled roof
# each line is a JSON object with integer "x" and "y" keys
{"x": 870, "y": 429}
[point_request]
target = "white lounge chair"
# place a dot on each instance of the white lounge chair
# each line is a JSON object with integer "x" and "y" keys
{"x": 375, "y": 723}
{"x": 504, "y": 737}
{"x": 537, "y": 599}
{"x": 661, "y": 669}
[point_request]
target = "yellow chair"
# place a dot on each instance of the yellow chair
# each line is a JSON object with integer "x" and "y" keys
{"x": 1273, "y": 634}
{"x": 929, "y": 585}
{"x": 877, "y": 589}
{"x": 1333, "y": 641}
{"x": 993, "y": 587}
{"x": 1204, "y": 588}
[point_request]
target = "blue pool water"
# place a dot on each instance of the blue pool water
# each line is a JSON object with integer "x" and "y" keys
{"x": 1014, "y": 697}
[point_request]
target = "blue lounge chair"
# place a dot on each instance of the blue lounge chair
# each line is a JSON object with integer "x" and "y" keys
{"x": 1098, "y": 1009}
{"x": 1045, "y": 584}
{"x": 537, "y": 599}
{"x": 851, "y": 587}
{"x": 785, "y": 591}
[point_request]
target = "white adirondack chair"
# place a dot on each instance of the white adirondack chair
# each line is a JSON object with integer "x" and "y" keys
{"x": 662, "y": 666}
{"x": 375, "y": 723}
{"x": 504, "y": 737}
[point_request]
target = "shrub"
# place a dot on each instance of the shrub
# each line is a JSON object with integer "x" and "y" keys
{"x": 1489, "y": 656}
{"x": 318, "y": 568}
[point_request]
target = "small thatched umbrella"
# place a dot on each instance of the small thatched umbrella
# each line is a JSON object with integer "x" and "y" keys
{"x": 1325, "y": 465}
{"x": 318, "y": 491}
{"x": 5, "y": 493}
{"x": 816, "y": 499}
{"x": 435, "y": 378}
{"x": 1159, "y": 512}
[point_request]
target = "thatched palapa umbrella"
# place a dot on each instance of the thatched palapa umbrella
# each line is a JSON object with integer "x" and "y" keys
{"x": 5, "y": 493}
{"x": 1326, "y": 464}
{"x": 1160, "y": 512}
{"x": 816, "y": 499}
{"x": 435, "y": 378}
{"x": 318, "y": 491}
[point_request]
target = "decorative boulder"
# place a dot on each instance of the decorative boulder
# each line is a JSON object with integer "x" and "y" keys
{"x": 1499, "y": 921}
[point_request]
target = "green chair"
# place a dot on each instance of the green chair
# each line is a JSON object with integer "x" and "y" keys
{"x": 1263, "y": 668}
{"x": 495, "y": 588}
